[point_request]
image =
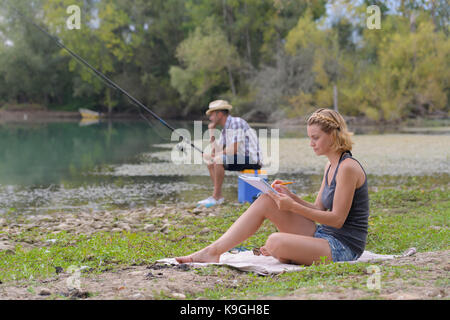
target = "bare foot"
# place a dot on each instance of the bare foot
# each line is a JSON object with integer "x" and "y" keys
{"x": 207, "y": 254}
{"x": 264, "y": 251}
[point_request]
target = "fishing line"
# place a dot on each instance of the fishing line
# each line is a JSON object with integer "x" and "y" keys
{"x": 105, "y": 79}
{"x": 179, "y": 145}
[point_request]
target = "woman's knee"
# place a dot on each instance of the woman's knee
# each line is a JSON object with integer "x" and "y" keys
{"x": 273, "y": 243}
{"x": 264, "y": 199}
{"x": 262, "y": 205}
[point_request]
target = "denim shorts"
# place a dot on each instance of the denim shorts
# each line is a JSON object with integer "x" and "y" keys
{"x": 339, "y": 251}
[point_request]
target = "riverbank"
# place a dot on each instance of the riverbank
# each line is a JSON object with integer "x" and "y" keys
{"x": 39, "y": 113}
{"x": 115, "y": 251}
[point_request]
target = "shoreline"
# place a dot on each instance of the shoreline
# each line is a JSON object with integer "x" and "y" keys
{"x": 7, "y": 116}
{"x": 38, "y": 115}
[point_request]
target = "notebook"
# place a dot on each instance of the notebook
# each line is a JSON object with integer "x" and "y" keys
{"x": 259, "y": 183}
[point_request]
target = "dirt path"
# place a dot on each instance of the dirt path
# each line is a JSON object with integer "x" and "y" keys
{"x": 159, "y": 282}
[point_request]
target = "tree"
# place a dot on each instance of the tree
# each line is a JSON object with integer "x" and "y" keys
{"x": 282, "y": 57}
{"x": 399, "y": 72}
{"x": 329, "y": 47}
{"x": 102, "y": 41}
{"x": 257, "y": 30}
{"x": 413, "y": 79}
{"x": 31, "y": 70}
{"x": 205, "y": 56}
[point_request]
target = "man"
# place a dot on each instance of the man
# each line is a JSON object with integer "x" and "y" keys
{"x": 236, "y": 150}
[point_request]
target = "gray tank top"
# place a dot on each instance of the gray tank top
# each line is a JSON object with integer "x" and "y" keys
{"x": 353, "y": 233}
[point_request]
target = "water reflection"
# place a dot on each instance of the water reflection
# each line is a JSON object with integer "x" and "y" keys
{"x": 50, "y": 153}
{"x": 88, "y": 122}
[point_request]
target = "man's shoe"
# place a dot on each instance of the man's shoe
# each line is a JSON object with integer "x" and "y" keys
{"x": 203, "y": 202}
{"x": 209, "y": 202}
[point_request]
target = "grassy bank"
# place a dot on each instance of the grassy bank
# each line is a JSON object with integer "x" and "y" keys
{"x": 400, "y": 218}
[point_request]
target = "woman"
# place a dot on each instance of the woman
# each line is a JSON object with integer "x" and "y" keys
{"x": 341, "y": 207}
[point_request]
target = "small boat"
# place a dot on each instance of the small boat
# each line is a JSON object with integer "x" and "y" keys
{"x": 89, "y": 114}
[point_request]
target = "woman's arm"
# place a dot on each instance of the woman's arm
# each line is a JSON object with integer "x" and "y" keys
{"x": 346, "y": 180}
{"x": 305, "y": 203}
{"x": 317, "y": 203}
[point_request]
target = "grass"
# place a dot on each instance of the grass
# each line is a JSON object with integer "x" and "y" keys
{"x": 400, "y": 218}
{"x": 409, "y": 218}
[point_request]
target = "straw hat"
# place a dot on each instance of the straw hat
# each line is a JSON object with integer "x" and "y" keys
{"x": 218, "y": 105}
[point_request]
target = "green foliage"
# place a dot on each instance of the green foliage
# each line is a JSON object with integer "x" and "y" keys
{"x": 208, "y": 57}
{"x": 31, "y": 69}
{"x": 392, "y": 73}
{"x": 277, "y": 57}
{"x": 413, "y": 79}
{"x": 107, "y": 40}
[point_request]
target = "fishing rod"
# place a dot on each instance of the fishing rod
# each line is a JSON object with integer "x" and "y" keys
{"x": 105, "y": 79}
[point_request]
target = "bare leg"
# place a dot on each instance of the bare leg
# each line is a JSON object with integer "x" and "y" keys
{"x": 211, "y": 172}
{"x": 219, "y": 174}
{"x": 247, "y": 224}
{"x": 298, "y": 249}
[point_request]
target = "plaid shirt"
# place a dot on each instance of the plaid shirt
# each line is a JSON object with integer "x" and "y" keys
{"x": 237, "y": 130}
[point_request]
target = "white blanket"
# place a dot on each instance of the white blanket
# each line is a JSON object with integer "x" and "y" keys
{"x": 262, "y": 265}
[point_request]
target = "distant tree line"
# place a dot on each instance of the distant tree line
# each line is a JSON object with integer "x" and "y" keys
{"x": 271, "y": 58}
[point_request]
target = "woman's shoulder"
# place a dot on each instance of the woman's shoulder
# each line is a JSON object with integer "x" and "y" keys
{"x": 351, "y": 164}
{"x": 352, "y": 167}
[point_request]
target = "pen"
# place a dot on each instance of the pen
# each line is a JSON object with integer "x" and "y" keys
{"x": 284, "y": 183}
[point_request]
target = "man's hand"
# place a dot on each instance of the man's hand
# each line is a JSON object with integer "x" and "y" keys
{"x": 208, "y": 158}
{"x": 211, "y": 127}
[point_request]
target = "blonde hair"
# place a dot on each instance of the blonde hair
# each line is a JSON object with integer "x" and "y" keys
{"x": 333, "y": 123}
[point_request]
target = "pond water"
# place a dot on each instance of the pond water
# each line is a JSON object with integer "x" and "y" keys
{"x": 67, "y": 166}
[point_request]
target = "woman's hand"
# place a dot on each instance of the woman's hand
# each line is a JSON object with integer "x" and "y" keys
{"x": 283, "y": 201}
{"x": 277, "y": 185}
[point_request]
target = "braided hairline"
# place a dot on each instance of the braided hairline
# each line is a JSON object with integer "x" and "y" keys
{"x": 331, "y": 122}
